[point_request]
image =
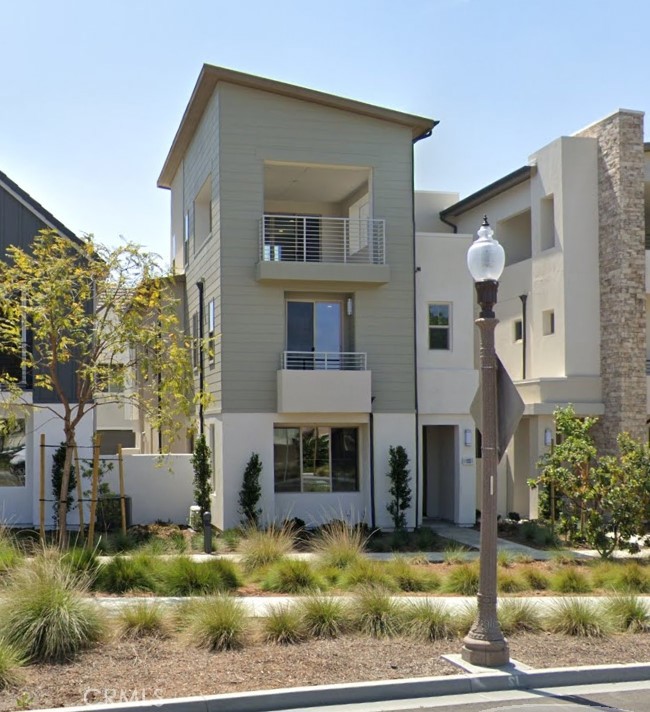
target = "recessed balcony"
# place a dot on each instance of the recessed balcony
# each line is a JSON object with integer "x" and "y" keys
{"x": 332, "y": 249}
{"x": 324, "y": 382}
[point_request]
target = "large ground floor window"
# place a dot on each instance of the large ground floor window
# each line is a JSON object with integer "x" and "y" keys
{"x": 316, "y": 459}
{"x": 12, "y": 453}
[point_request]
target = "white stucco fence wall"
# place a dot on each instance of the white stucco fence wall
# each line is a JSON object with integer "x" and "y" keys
{"x": 159, "y": 488}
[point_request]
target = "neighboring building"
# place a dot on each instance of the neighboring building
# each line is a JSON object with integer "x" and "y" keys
{"x": 573, "y": 301}
{"x": 292, "y": 220}
{"x": 21, "y": 217}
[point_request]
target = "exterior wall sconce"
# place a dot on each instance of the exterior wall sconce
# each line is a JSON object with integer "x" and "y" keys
{"x": 349, "y": 306}
{"x": 468, "y": 437}
{"x": 548, "y": 437}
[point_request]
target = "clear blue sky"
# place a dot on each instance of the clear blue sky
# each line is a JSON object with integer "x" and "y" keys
{"x": 92, "y": 93}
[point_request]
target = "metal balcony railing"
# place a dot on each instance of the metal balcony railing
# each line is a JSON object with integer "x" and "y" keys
{"x": 292, "y": 238}
{"x": 324, "y": 361}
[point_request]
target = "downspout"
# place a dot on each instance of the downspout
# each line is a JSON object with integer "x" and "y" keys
{"x": 199, "y": 286}
{"x": 416, "y": 269}
{"x": 447, "y": 222}
{"x": 524, "y": 334}
{"x": 373, "y": 517}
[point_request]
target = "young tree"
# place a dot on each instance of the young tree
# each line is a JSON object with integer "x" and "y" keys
{"x": 202, "y": 474}
{"x": 400, "y": 489}
{"x": 251, "y": 492}
{"x": 111, "y": 316}
{"x": 58, "y": 460}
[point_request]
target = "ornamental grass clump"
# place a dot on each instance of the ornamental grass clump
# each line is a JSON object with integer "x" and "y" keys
{"x": 465, "y": 617}
{"x": 283, "y": 625}
{"x": 571, "y": 580}
{"x": 9, "y": 554}
{"x": 509, "y": 582}
{"x": 324, "y": 616}
{"x": 11, "y": 661}
{"x": 518, "y": 616}
{"x": 292, "y": 576}
{"x": 217, "y": 623}
{"x": 375, "y": 613}
{"x": 143, "y": 620}
{"x": 632, "y": 578}
{"x": 428, "y": 620}
{"x": 82, "y": 561}
{"x": 454, "y": 554}
{"x": 339, "y": 544}
{"x": 628, "y": 614}
{"x": 410, "y": 578}
{"x": 181, "y": 576}
{"x": 367, "y": 572}
{"x": 122, "y": 574}
{"x": 462, "y": 579}
{"x": 536, "y": 579}
{"x": 44, "y": 614}
{"x": 573, "y": 616}
{"x": 259, "y": 548}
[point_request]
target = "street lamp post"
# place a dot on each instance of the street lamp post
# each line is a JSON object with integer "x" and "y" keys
{"x": 485, "y": 644}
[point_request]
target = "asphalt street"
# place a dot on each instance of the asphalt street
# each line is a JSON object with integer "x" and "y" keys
{"x": 616, "y": 697}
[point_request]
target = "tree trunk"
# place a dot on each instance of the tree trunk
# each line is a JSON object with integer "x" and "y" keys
{"x": 63, "y": 494}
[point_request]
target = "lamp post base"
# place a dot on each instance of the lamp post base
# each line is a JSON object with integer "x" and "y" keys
{"x": 485, "y": 653}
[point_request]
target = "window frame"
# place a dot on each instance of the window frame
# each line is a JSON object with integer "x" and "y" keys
{"x": 443, "y": 328}
{"x": 303, "y": 477}
{"x": 211, "y": 332}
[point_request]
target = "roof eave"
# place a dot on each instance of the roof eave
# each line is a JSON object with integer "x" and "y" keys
{"x": 521, "y": 175}
{"x": 211, "y": 75}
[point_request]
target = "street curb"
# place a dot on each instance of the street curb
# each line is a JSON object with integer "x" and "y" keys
{"x": 382, "y": 690}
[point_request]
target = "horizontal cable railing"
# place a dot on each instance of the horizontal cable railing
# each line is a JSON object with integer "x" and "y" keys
{"x": 292, "y": 238}
{"x": 324, "y": 361}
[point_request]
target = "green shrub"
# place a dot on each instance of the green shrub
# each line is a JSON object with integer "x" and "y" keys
{"x": 571, "y": 580}
{"x": 217, "y": 623}
{"x": 181, "y": 576}
{"x": 462, "y": 579}
{"x": 632, "y": 578}
{"x": 283, "y": 625}
{"x": 518, "y": 616}
{"x": 44, "y": 615}
{"x": 143, "y": 620}
{"x": 201, "y": 464}
{"x": 339, "y": 544}
{"x": 367, "y": 572}
{"x": 573, "y": 616}
{"x": 628, "y": 614}
{"x": 9, "y": 555}
{"x": 425, "y": 539}
{"x": 82, "y": 561}
{"x": 375, "y": 613}
{"x": 465, "y": 617}
{"x": 10, "y": 663}
{"x": 122, "y": 574}
{"x": 120, "y": 543}
{"x": 508, "y": 582}
{"x": 505, "y": 559}
{"x": 454, "y": 554}
{"x": 428, "y": 620}
{"x": 291, "y": 576}
{"x": 324, "y": 617}
{"x": 411, "y": 579}
{"x": 535, "y": 578}
{"x": 251, "y": 492}
{"x": 261, "y": 548}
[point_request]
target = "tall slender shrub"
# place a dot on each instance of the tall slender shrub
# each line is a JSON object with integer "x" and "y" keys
{"x": 400, "y": 489}
{"x": 202, "y": 474}
{"x": 251, "y": 492}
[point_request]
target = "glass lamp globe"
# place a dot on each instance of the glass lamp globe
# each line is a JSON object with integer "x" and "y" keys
{"x": 485, "y": 257}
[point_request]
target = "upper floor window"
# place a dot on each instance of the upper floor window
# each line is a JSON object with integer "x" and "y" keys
{"x": 196, "y": 346}
{"x": 203, "y": 214}
{"x": 440, "y": 327}
{"x": 211, "y": 330}
{"x": 186, "y": 238}
{"x": 547, "y": 223}
{"x": 519, "y": 330}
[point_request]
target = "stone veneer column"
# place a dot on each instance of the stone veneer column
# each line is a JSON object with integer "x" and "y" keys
{"x": 622, "y": 275}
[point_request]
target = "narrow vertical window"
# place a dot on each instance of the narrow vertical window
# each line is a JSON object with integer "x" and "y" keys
{"x": 548, "y": 322}
{"x": 186, "y": 238}
{"x": 439, "y": 327}
{"x": 211, "y": 331}
{"x": 195, "y": 339}
{"x": 518, "y": 330}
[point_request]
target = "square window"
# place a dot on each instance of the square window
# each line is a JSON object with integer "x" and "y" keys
{"x": 440, "y": 327}
{"x": 518, "y": 330}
